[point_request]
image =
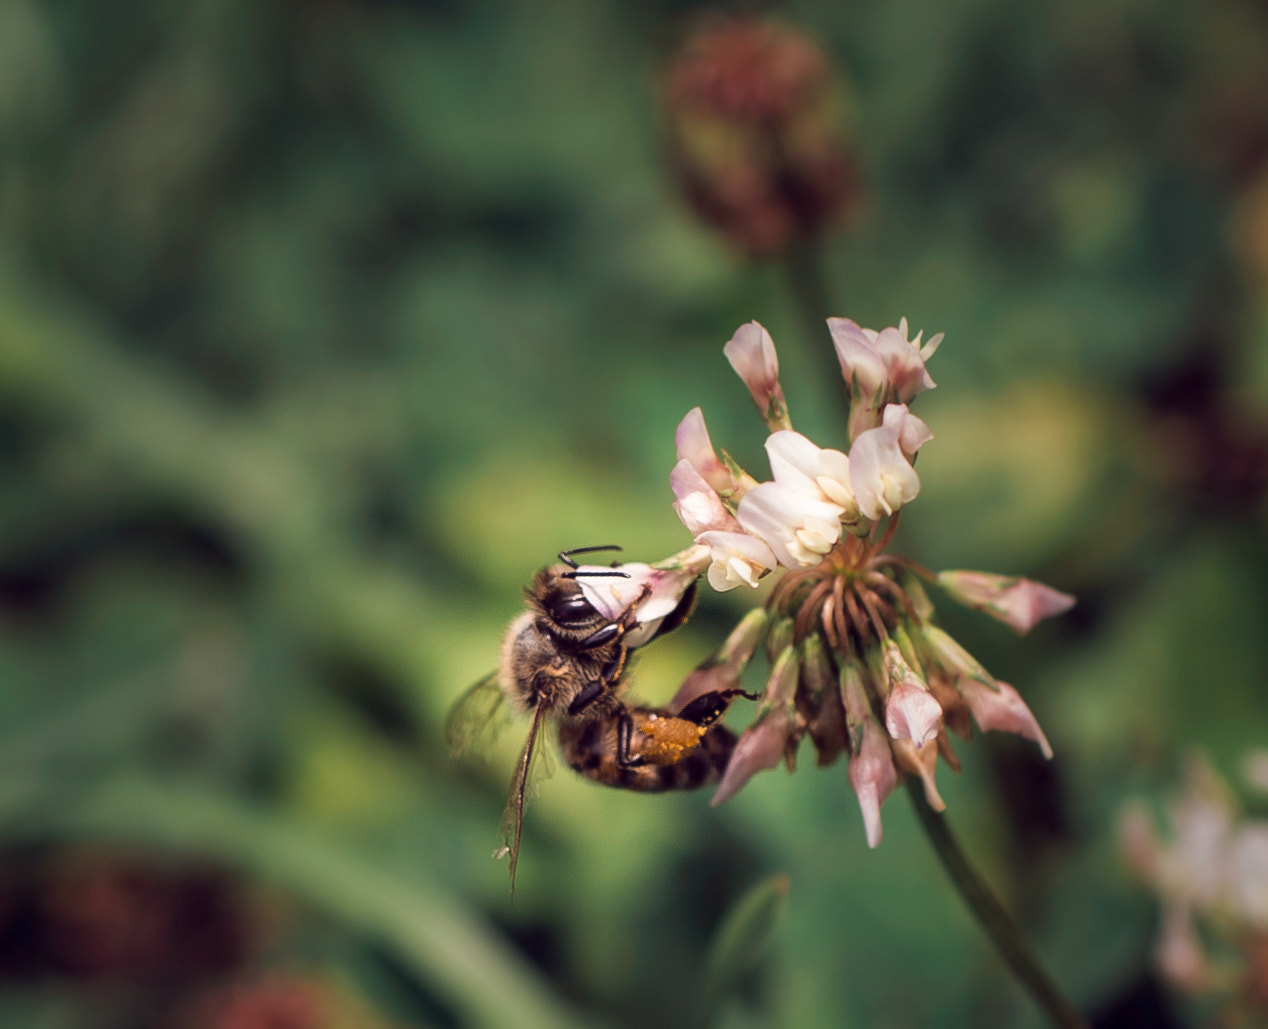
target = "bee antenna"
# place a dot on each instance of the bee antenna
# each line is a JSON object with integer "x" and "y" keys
{"x": 576, "y": 574}
{"x": 566, "y": 555}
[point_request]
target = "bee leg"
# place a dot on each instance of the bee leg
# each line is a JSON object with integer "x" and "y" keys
{"x": 590, "y": 692}
{"x": 614, "y": 630}
{"x": 709, "y": 707}
{"x": 611, "y": 631}
{"x": 586, "y": 696}
{"x": 624, "y": 733}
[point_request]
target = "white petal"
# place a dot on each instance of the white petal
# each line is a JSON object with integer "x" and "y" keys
{"x": 777, "y": 514}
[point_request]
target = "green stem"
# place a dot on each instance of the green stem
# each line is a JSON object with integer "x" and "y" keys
{"x": 990, "y": 913}
{"x": 803, "y": 265}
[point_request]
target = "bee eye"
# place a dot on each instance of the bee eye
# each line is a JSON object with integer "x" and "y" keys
{"x": 569, "y": 610}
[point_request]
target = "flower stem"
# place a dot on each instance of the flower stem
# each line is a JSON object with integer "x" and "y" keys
{"x": 808, "y": 284}
{"x": 990, "y": 913}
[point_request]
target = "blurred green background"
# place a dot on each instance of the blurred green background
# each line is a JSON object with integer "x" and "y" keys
{"x": 324, "y": 323}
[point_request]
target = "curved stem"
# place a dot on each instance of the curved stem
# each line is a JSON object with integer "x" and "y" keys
{"x": 990, "y": 913}
{"x": 803, "y": 267}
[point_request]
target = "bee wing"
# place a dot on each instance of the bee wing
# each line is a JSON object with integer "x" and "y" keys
{"x": 478, "y": 717}
{"x": 525, "y": 770}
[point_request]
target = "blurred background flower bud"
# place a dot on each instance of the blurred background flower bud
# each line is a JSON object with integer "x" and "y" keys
{"x": 752, "y": 127}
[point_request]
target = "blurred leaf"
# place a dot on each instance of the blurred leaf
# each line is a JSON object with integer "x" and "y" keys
{"x": 742, "y": 939}
{"x": 442, "y": 942}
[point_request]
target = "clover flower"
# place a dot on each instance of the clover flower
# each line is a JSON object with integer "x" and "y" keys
{"x": 858, "y": 663}
{"x": 1210, "y": 872}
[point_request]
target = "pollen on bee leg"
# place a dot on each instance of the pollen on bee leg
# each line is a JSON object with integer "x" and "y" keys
{"x": 666, "y": 740}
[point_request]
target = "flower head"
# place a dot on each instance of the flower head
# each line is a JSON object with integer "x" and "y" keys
{"x": 858, "y": 664}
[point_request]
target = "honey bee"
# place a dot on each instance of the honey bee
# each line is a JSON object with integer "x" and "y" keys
{"x": 564, "y": 660}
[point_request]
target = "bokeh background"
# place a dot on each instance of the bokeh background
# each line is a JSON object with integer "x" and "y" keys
{"x": 324, "y": 323}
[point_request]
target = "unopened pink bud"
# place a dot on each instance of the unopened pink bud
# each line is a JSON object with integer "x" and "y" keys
{"x": 1017, "y": 602}
{"x": 763, "y": 745}
{"x": 873, "y": 776}
{"x": 1002, "y": 709}
{"x": 751, "y": 352}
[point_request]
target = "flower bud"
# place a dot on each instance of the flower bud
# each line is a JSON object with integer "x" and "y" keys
{"x": 880, "y": 368}
{"x": 774, "y": 735}
{"x": 872, "y": 773}
{"x": 819, "y": 701}
{"x": 1018, "y": 603}
{"x": 751, "y": 352}
{"x": 750, "y": 115}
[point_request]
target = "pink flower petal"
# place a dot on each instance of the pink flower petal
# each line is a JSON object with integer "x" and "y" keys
{"x": 861, "y": 363}
{"x": 739, "y": 558}
{"x": 799, "y": 529}
{"x": 693, "y": 444}
{"x": 697, "y": 504}
{"x": 612, "y": 595}
{"x": 1002, "y": 709}
{"x": 751, "y": 352}
{"x": 873, "y": 776}
{"x": 1018, "y": 603}
{"x": 911, "y": 713}
{"x": 761, "y": 746}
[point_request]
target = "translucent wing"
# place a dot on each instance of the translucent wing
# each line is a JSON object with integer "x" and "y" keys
{"x": 525, "y": 769}
{"x": 478, "y": 717}
{"x": 473, "y": 726}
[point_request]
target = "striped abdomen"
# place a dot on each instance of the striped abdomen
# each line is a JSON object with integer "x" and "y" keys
{"x": 590, "y": 747}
